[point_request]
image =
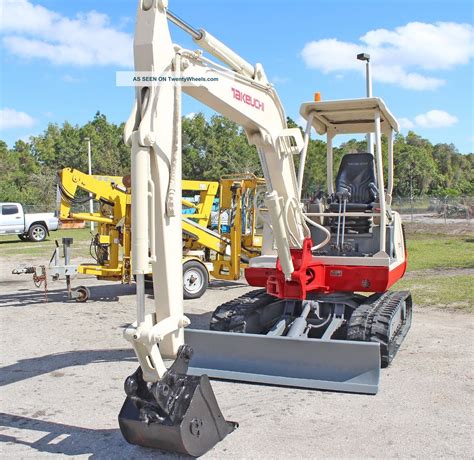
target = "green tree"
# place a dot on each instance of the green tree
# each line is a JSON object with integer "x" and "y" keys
{"x": 211, "y": 149}
{"x": 415, "y": 168}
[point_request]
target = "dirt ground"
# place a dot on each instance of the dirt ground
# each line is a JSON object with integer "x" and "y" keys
{"x": 63, "y": 366}
{"x": 423, "y": 224}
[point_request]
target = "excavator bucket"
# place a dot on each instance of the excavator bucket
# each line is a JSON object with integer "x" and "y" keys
{"x": 336, "y": 365}
{"x": 179, "y": 413}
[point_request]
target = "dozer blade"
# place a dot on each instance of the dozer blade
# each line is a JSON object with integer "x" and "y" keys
{"x": 179, "y": 413}
{"x": 335, "y": 365}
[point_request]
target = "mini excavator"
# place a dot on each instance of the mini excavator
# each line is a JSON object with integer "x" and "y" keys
{"x": 323, "y": 316}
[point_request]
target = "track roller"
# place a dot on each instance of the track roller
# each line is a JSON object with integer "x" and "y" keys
{"x": 386, "y": 320}
{"x": 252, "y": 313}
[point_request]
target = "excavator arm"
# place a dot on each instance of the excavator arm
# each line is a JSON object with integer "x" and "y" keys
{"x": 242, "y": 93}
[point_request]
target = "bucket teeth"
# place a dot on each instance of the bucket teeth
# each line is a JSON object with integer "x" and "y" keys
{"x": 179, "y": 413}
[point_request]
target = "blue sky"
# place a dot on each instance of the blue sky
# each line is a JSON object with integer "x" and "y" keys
{"x": 59, "y": 58}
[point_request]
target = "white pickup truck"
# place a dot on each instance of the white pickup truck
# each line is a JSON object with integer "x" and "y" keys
{"x": 32, "y": 227}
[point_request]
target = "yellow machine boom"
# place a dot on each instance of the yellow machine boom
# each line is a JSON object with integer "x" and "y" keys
{"x": 221, "y": 251}
{"x": 112, "y": 241}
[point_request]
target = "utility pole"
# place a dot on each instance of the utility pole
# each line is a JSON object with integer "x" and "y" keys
{"x": 368, "y": 82}
{"x": 89, "y": 159}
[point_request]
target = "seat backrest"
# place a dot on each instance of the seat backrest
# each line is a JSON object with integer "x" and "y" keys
{"x": 356, "y": 173}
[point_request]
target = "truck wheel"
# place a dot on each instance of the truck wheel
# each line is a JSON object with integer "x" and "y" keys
{"x": 195, "y": 279}
{"x": 37, "y": 233}
{"x": 23, "y": 237}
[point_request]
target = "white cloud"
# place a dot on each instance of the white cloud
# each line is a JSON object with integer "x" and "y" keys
{"x": 431, "y": 119}
{"x": 406, "y": 123}
{"x": 11, "y": 118}
{"x": 33, "y": 31}
{"x": 277, "y": 80}
{"x": 70, "y": 79}
{"x": 190, "y": 115}
{"x": 435, "y": 119}
{"x": 403, "y": 56}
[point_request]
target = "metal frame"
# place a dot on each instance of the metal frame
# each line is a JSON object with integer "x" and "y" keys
{"x": 367, "y": 115}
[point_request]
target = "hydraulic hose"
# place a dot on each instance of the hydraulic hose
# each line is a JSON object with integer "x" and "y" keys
{"x": 170, "y": 201}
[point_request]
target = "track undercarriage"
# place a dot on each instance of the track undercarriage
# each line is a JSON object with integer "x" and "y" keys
{"x": 380, "y": 318}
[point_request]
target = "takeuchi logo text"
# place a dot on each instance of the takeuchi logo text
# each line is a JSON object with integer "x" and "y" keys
{"x": 247, "y": 99}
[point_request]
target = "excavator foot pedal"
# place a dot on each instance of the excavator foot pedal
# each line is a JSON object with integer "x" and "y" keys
{"x": 179, "y": 413}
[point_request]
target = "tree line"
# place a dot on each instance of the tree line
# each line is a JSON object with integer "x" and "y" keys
{"x": 212, "y": 148}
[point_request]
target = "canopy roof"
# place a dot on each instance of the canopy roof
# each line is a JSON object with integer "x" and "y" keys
{"x": 349, "y": 116}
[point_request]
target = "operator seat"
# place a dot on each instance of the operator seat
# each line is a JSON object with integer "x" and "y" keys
{"x": 355, "y": 180}
{"x": 356, "y": 183}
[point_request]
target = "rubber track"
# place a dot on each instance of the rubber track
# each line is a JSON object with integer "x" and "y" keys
{"x": 232, "y": 316}
{"x": 371, "y": 323}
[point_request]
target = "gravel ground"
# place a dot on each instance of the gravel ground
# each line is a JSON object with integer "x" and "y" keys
{"x": 436, "y": 219}
{"x": 63, "y": 366}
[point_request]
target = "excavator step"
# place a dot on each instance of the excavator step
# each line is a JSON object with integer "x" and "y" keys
{"x": 334, "y": 365}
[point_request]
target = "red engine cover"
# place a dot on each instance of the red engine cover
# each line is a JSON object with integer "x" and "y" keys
{"x": 314, "y": 276}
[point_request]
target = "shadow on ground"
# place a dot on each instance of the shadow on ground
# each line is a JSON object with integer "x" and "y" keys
{"x": 32, "y": 367}
{"x": 73, "y": 440}
{"x": 2, "y": 241}
{"x": 216, "y": 285}
{"x": 61, "y": 438}
{"x": 200, "y": 321}
{"x": 57, "y": 437}
{"x": 100, "y": 293}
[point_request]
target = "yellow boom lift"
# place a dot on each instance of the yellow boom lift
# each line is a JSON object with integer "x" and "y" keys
{"x": 110, "y": 246}
{"x": 221, "y": 251}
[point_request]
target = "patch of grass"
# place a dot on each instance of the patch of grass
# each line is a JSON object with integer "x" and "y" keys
{"x": 437, "y": 267}
{"x": 443, "y": 290}
{"x": 12, "y": 246}
{"x": 426, "y": 251}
